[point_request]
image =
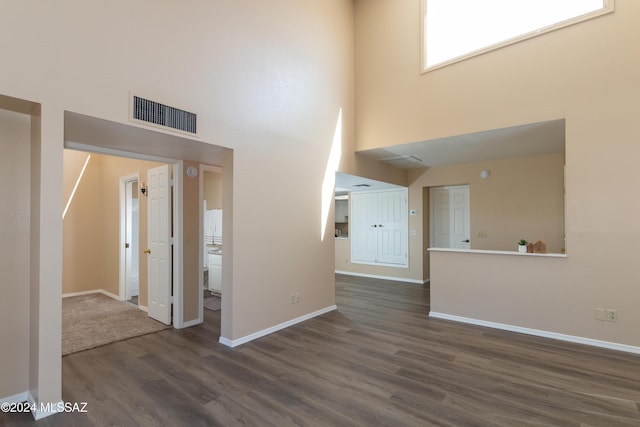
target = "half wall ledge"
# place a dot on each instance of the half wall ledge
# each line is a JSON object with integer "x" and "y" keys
{"x": 482, "y": 251}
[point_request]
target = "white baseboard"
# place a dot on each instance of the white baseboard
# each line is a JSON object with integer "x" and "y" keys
{"x": 276, "y": 328}
{"x": 26, "y": 396}
{"x": 539, "y": 333}
{"x": 95, "y": 291}
{"x": 143, "y": 308}
{"x": 16, "y": 398}
{"x": 375, "y": 276}
{"x": 190, "y": 323}
{"x": 41, "y": 411}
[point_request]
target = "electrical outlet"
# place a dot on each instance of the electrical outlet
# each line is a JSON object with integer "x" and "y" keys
{"x": 601, "y": 314}
{"x": 294, "y": 298}
{"x": 481, "y": 234}
{"x": 612, "y": 315}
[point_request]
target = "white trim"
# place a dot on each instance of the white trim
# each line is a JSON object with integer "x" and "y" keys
{"x": 143, "y": 308}
{"x": 375, "y": 276}
{"x": 38, "y": 413}
{"x": 539, "y": 333}
{"x": 276, "y": 328}
{"x": 191, "y": 323}
{"x": 482, "y": 251}
{"x": 95, "y": 291}
{"x": 178, "y": 253}
{"x": 16, "y": 398}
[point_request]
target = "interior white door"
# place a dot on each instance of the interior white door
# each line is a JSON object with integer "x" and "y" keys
{"x": 364, "y": 232}
{"x": 450, "y": 219}
{"x": 159, "y": 243}
{"x": 393, "y": 227}
{"x": 459, "y": 217}
{"x": 132, "y": 251}
{"x": 440, "y": 224}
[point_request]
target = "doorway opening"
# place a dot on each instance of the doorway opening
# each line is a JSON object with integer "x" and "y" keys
{"x": 211, "y": 237}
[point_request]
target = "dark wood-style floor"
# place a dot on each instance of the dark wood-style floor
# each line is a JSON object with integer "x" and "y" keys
{"x": 377, "y": 360}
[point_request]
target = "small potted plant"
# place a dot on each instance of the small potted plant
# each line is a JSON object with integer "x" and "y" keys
{"x": 522, "y": 246}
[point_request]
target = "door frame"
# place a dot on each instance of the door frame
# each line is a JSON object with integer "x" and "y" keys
{"x": 124, "y": 180}
{"x": 178, "y": 255}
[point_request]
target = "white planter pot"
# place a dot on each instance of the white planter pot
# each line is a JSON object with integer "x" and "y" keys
{"x": 522, "y": 249}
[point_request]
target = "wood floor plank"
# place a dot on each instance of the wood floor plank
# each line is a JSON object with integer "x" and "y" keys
{"x": 377, "y": 360}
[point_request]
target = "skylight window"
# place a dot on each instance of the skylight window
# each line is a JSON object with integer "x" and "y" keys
{"x": 457, "y": 29}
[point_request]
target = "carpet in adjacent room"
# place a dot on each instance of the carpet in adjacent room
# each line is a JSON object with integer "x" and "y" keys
{"x": 94, "y": 320}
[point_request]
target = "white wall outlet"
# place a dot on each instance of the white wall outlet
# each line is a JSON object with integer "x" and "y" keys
{"x": 612, "y": 315}
{"x": 601, "y": 314}
{"x": 481, "y": 234}
{"x": 294, "y": 298}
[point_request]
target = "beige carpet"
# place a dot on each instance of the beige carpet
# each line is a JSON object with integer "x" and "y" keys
{"x": 95, "y": 319}
{"x": 212, "y": 303}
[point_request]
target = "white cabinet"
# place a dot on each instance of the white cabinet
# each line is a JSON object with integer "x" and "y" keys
{"x": 215, "y": 272}
{"x": 380, "y": 228}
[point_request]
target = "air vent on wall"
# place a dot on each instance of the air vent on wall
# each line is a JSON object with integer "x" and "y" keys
{"x": 163, "y": 115}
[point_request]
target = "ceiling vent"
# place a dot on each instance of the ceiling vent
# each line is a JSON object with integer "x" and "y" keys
{"x": 163, "y": 115}
{"x": 406, "y": 162}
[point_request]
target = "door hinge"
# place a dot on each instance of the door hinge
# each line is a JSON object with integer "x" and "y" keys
{"x": 171, "y": 299}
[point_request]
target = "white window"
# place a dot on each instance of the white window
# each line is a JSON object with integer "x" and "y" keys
{"x": 457, "y": 29}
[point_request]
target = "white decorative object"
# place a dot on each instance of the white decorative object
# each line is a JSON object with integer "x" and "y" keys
{"x": 192, "y": 172}
{"x": 522, "y": 249}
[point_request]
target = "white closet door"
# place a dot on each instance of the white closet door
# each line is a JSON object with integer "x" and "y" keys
{"x": 379, "y": 227}
{"x": 364, "y": 219}
{"x": 392, "y": 227}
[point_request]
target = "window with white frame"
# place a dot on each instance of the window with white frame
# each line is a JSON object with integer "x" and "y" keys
{"x": 457, "y": 29}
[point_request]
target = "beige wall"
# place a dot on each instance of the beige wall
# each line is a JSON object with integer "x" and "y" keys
{"x": 586, "y": 74}
{"x": 84, "y": 248}
{"x": 522, "y": 198}
{"x": 213, "y": 189}
{"x": 14, "y": 251}
{"x": 192, "y": 275}
{"x": 91, "y": 247}
{"x": 274, "y": 100}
